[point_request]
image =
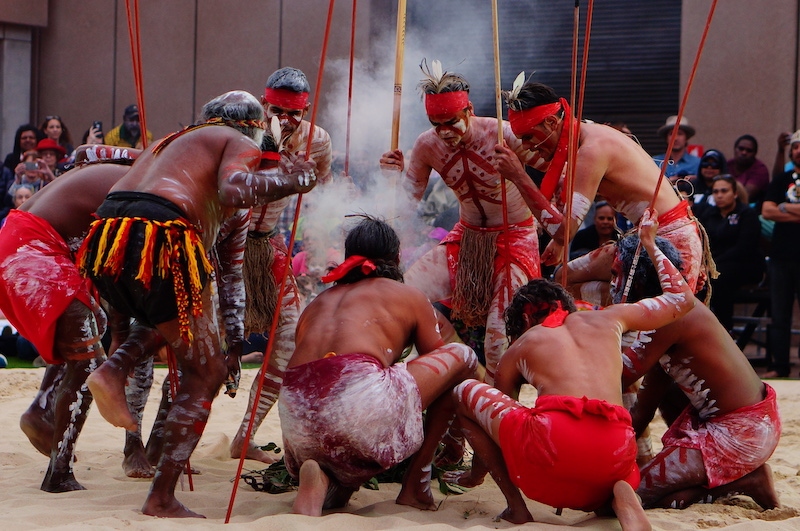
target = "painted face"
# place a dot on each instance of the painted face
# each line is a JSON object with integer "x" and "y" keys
{"x": 724, "y": 194}
{"x": 604, "y": 221}
{"x": 289, "y": 118}
{"x": 53, "y": 129}
{"x": 745, "y": 151}
{"x": 542, "y": 140}
{"x": 28, "y": 141}
{"x": 451, "y": 129}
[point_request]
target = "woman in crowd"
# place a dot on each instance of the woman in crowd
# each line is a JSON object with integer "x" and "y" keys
{"x": 712, "y": 163}
{"x": 55, "y": 129}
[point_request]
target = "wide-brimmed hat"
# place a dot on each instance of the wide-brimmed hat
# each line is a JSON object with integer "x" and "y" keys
{"x": 670, "y": 123}
{"x": 49, "y": 143}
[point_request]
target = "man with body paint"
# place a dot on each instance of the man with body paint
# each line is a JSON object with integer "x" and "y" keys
{"x": 468, "y": 270}
{"x": 349, "y": 408}
{"x": 609, "y": 164}
{"x": 723, "y": 420}
{"x": 575, "y": 448}
{"x": 266, "y": 256}
{"x": 147, "y": 255}
{"x": 43, "y": 295}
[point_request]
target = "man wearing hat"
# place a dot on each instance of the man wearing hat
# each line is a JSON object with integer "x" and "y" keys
{"x": 681, "y": 163}
{"x": 782, "y": 205}
{"x": 129, "y": 132}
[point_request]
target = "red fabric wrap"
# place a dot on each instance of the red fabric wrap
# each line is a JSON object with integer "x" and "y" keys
{"x": 523, "y": 121}
{"x": 270, "y": 155}
{"x": 38, "y": 279}
{"x": 519, "y": 242}
{"x": 366, "y": 265}
{"x": 286, "y": 99}
{"x": 446, "y": 103}
{"x": 568, "y": 451}
{"x": 556, "y": 317}
{"x": 679, "y": 211}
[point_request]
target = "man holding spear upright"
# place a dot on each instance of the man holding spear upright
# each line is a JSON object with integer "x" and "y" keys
{"x": 468, "y": 270}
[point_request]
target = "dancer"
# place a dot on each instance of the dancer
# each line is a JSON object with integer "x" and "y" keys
{"x": 43, "y": 295}
{"x": 469, "y": 268}
{"x": 349, "y": 408}
{"x": 147, "y": 256}
{"x": 720, "y": 443}
{"x": 576, "y": 447}
{"x": 266, "y": 256}
{"x": 609, "y": 164}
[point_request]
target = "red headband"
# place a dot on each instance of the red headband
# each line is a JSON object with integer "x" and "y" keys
{"x": 286, "y": 99}
{"x": 367, "y": 267}
{"x": 446, "y": 103}
{"x": 523, "y": 121}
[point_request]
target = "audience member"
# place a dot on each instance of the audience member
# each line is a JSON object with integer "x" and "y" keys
{"x": 129, "y": 132}
{"x": 681, "y": 162}
{"x": 603, "y": 230}
{"x": 712, "y": 164}
{"x": 733, "y": 232}
{"x": 782, "y": 205}
{"x": 748, "y": 170}
{"x": 25, "y": 139}
{"x": 51, "y": 154}
{"x": 56, "y": 130}
{"x": 28, "y": 172}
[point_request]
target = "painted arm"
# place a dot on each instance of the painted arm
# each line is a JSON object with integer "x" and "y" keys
{"x": 654, "y": 387}
{"x": 509, "y": 377}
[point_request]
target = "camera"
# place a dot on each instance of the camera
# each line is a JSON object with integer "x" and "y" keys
{"x": 98, "y": 126}
{"x": 31, "y": 166}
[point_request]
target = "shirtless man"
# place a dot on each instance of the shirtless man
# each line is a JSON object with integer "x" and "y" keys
{"x": 43, "y": 295}
{"x": 349, "y": 408}
{"x": 147, "y": 256}
{"x": 266, "y": 256}
{"x": 584, "y": 455}
{"x": 470, "y": 265}
{"x": 719, "y": 444}
{"x": 608, "y": 164}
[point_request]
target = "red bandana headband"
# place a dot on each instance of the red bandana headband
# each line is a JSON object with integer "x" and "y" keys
{"x": 554, "y": 319}
{"x": 523, "y": 121}
{"x": 446, "y": 103}
{"x": 367, "y": 267}
{"x": 286, "y": 99}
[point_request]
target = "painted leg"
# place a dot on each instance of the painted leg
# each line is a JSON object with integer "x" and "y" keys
{"x": 282, "y": 350}
{"x": 135, "y": 463}
{"x": 37, "y": 422}
{"x": 673, "y": 470}
{"x": 155, "y": 443}
{"x": 758, "y": 484}
{"x": 496, "y": 342}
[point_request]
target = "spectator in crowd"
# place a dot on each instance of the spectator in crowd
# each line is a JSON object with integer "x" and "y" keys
{"x": 782, "y": 205}
{"x": 129, "y": 132}
{"x": 56, "y": 130}
{"x": 603, "y": 230}
{"x": 51, "y": 156}
{"x": 733, "y": 232}
{"x": 712, "y": 164}
{"x": 681, "y": 163}
{"x": 25, "y": 139}
{"x": 748, "y": 170}
{"x": 28, "y": 172}
{"x": 23, "y": 193}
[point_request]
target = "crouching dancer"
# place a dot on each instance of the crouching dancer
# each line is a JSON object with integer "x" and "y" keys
{"x": 576, "y": 447}
{"x": 44, "y": 296}
{"x": 349, "y": 408}
{"x": 147, "y": 255}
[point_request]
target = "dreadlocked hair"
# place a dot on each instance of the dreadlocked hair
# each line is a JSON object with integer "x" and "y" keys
{"x": 645, "y": 279}
{"x": 375, "y": 239}
{"x": 437, "y": 81}
{"x": 541, "y": 295}
{"x": 530, "y": 95}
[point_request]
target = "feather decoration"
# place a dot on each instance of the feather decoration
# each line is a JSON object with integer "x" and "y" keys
{"x": 517, "y": 86}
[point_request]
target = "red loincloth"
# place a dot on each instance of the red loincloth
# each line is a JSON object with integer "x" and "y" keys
{"x": 353, "y": 416}
{"x": 733, "y": 444}
{"x": 38, "y": 279}
{"x": 681, "y": 228}
{"x": 569, "y": 452}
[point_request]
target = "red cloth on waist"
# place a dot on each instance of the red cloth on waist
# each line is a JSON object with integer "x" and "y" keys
{"x": 681, "y": 210}
{"x": 516, "y": 239}
{"x": 38, "y": 279}
{"x": 568, "y": 451}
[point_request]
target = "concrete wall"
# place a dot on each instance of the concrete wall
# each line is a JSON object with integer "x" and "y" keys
{"x": 747, "y": 78}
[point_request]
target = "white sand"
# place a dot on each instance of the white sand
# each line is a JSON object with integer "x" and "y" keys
{"x": 113, "y": 501}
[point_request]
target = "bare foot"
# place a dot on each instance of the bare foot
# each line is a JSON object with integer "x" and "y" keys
{"x": 38, "y": 431}
{"x": 416, "y": 493}
{"x": 313, "y": 488}
{"x": 462, "y": 478}
{"x": 108, "y": 389}
{"x": 253, "y": 452}
{"x": 136, "y": 465}
{"x": 759, "y": 485}
{"x": 170, "y": 509}
{"x": 519, "y": 515}
{"x": 629, "y": 509}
